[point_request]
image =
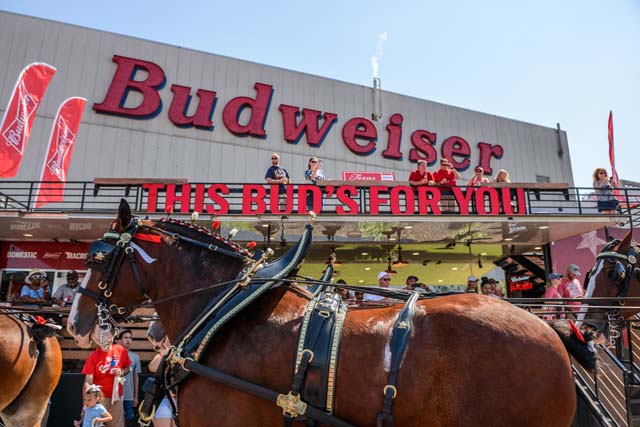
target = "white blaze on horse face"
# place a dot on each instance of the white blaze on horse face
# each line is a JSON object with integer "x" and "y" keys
{"x": 591, "y": 286}
{"x": 73, "y": 314}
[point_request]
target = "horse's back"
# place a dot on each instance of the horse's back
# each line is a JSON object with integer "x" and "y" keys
{"x": 17, "y": 358}
{"x": 468, "y": 356}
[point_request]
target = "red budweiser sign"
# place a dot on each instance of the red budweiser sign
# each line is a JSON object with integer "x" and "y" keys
{"x": 359, "y": 134}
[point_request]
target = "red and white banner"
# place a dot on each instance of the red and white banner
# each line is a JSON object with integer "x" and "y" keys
{"x": 63, "y": 137}
{"x": 368, "y": 176}
{"x": 15, "y": 127}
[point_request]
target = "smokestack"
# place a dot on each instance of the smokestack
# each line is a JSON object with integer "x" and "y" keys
{"x": 377, "y": 100}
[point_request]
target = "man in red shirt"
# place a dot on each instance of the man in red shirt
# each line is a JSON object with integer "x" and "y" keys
{"x": 421, "y": 176}
{"x": 446, "y": 177}
{"x": 108, "y": 362}
{"x": 570, "y": 286}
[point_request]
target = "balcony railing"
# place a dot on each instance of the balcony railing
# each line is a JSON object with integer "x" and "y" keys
{"x": 351, "y": 198}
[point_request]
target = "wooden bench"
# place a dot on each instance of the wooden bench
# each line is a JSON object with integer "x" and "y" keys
{"x": 127, "y": 183}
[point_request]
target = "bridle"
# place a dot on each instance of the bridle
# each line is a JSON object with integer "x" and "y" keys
{"x": 621, "y": 276}
{"x": 107, "y": 255}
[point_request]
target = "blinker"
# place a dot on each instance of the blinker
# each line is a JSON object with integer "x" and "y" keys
{"x": 99, "y": 255}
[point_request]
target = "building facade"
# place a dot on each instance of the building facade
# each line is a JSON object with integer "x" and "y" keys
{"x": 160, "y": 111}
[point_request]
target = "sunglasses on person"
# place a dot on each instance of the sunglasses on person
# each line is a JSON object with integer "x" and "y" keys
{"x": 274, "y": 158}
{"x": 602, "y": 173}
{"x": 314, "y": 161}
{"x": 386, "y": 279}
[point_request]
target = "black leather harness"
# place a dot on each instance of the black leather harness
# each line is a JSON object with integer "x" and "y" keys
{"x": 316, "y": 361}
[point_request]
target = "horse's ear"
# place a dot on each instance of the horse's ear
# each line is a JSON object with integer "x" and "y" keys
{"x": 625, "y": 244}
{"x": 124, "y": 214}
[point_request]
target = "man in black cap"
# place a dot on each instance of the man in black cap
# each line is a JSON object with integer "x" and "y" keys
{"x": 64, "y": 294}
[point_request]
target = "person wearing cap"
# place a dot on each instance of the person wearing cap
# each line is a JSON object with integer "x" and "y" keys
{"x": 64, "y": 294}
{"x": 421, "y": 176}
{"x": 472, "y": 285}
{"x": 478, "y": 178}
{"x": 384, "y": 281}
{"x": 413, "y": 285}
{"x": 570, "y": 287}
{"x": 36, "y": 288}
{"x": 552, "y": 292}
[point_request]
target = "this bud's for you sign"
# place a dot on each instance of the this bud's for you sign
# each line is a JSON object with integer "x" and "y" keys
{"x": 258, "y": 199}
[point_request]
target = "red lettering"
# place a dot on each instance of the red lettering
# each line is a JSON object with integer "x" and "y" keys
{"x": 423, "y": 142}
{"x": 274, "y": 202}
{"x": 303, "y": 194}
{"x": 463, "y": 199}
{"x": 215, "y": 192}
{"x": 309, "y": 124}
{"x": 152, "y": 198}
{"x": 456, "y": 146}
{"x": 361, "y": 128}
{"x": 198, "y": 200}
{"x": 249, "y": 199}
{"x": 123, "y": 82}
{"x": 374, "y": 198}
{"x": 519, "y": 202}
{"x": 180, "y": 104}
{"x": 494, "y": 203}
{"x": 184, "y": 198}
{"x": 395, "y": 134}
{"x": 345, "y": 194}
{"x": 259, "y": 109}
{"x": 428, "y": 200}
{"x": 409, "y": 200}
{"x": 487, "y": 151}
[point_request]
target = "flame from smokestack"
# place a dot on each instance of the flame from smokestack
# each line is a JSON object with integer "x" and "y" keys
{"x": 375, "y": 59}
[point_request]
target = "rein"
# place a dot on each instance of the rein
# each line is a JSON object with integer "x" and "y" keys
{"x": 108, "y": 258}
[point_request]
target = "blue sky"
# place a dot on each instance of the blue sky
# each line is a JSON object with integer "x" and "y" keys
{"x": 543, "y": 62}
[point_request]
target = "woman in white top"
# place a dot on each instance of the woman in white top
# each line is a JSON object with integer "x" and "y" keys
{"x": 478, "y": 178}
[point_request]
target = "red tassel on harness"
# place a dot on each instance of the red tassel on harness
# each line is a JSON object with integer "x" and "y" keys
{"x": 153, "y": 238}
{"x": 40, "y": 319}
{"x": 576, "y": 331}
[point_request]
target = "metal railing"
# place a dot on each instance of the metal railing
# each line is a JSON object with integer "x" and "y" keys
{"x": 248, "y": 198}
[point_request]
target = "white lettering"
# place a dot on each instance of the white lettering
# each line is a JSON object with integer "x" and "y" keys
{"x": 21, "y": 254}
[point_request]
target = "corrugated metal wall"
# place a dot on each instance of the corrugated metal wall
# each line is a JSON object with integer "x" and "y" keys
{"x": 111, "y": 146}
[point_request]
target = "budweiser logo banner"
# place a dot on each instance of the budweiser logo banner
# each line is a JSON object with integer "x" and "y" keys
{"x": 63, "y": 138}
{"x": 21, "y": 111}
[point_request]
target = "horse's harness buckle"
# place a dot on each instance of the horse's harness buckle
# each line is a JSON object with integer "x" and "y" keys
{"x": 291, "y": 404}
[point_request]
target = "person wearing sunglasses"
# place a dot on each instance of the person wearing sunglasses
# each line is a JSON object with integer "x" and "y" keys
{"x": 604, "y": 189}
{"x": 276, "y": 174}
{"x": 312, "y": 175}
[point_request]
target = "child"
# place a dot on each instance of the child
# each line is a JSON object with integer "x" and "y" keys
{"x": 93, "y": 414}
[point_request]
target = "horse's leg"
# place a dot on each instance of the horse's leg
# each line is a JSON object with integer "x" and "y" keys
{"x": 29, "y": 407}
{"x": 17, "y": 358}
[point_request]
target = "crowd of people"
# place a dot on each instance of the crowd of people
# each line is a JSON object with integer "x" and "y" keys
{"x": 446, "y": 176}
{"x": 562, "y": 287}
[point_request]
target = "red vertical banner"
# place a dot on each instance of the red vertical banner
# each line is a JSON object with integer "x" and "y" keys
{"x": 15, "y": 127}
{"x": 612, "y": 154}
{"x": 63, "y": 138}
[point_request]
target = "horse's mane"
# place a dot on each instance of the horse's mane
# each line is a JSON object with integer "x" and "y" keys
{"x": 201, "y": 234}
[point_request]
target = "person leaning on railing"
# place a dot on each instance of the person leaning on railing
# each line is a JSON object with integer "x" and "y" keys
{"x": 604, "y": 189}
{"x": 421, "y": 176}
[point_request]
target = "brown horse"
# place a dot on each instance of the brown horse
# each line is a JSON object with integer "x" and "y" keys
{"x": 471, "y": 361}
{"x": 30, "y": 370}
{"x": 616, "y": 274}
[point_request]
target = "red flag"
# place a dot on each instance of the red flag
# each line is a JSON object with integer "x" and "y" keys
{"x": 63, "y": 138}
{"x": 15, "y": 127}
{"x": 612, "y": 156}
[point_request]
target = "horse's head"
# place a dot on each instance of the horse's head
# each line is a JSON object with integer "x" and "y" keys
{"x": 160, "y": 261}
{"x": 615, "y": 275}
{"x": 137, "y": 261}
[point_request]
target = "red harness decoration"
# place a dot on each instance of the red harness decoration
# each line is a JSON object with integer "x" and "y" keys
{"x": 576, "y": 331}
{"x": 153, "y": 238}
